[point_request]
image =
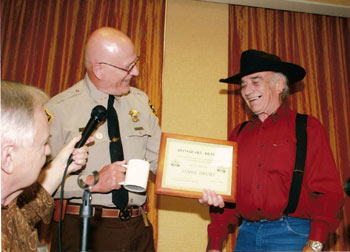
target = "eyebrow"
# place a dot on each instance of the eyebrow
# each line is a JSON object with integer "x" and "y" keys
{"x": 257, "y": 77}
{"x": 253, "y": 78}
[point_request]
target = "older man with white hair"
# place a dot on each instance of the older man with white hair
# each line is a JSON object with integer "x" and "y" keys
{"x": 25, "y": 199}
{"x": 288, "y": 189}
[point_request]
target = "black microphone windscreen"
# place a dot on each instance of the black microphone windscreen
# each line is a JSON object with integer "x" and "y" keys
{"x": 99, "y": 113}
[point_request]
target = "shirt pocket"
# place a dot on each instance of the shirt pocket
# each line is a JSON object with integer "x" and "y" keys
{"x": 282, "y": 157}
{"x": 135, "y": 141}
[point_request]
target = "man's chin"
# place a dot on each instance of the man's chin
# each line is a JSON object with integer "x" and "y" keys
{"x": 123, "y": 91}
{"x": 126, "y": 90}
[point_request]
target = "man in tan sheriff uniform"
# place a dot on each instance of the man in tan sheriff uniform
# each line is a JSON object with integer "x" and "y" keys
{"x": 110, "y": 62}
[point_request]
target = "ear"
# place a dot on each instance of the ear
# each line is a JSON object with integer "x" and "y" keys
{"x": 97, "y": 70}
{"x": 280, "y": 85}
{"x": 7, "y": 158}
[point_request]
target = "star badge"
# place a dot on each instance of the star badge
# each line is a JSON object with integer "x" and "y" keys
{"x": 134, "y": 115}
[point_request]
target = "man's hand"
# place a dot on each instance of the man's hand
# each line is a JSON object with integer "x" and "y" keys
{"x": 110, "y": 177}
{"x": 51, "y": 176}
{"x": 79, "y": 156}
{"x": 210, "y": 198}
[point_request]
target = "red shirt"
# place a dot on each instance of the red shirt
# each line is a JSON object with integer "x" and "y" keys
{"x": 266, "y": 157}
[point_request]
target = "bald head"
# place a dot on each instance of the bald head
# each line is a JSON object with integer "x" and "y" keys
{"x": 106, "y": 43}
{"x": 110, "y": 61}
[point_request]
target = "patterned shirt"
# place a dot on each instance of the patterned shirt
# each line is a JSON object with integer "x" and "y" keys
{"x": 21, "y": 215}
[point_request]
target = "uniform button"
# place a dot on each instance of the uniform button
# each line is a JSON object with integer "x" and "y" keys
{"x": 99, "y": 135}
{"x": 259, "y": 164}
{"x": 258, "y": 187}
{"x": 261, "y": 145}
{"x": 259, "y": 209}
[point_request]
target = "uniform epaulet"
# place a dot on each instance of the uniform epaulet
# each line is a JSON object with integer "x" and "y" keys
{"x": 67, "y": 94}
{"x": 61, "y": 97}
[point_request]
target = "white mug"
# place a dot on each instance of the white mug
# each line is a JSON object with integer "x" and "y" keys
{"x": 136, "y": 177}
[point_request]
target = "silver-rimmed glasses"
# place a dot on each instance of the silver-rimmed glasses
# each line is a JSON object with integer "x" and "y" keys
{"x": 128, "y": 70}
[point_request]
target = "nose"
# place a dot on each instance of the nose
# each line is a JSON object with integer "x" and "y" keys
{"x": 47, "y": 150}
{"x": 134, "y": 71}
{"x": 248, "y": 89}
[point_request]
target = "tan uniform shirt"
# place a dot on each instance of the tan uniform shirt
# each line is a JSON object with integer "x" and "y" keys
{"x": 21, "y": 215}
{"x": 71, "y": 111}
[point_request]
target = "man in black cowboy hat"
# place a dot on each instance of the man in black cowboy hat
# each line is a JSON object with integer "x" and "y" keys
{"x": 267, "y": 161}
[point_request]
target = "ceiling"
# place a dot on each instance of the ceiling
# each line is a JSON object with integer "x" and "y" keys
{"x": 339, "y": 8}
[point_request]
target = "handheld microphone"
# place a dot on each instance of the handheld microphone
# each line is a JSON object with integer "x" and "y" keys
{"x": 98, "y": 114}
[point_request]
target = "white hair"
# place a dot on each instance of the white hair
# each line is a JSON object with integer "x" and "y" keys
{"x": 280, "y": 76}
{"x": 18, "y": 103}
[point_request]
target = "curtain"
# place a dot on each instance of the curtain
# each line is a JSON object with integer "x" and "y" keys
{"x": 42, "y": 44}
{"x": 321, "y": 45}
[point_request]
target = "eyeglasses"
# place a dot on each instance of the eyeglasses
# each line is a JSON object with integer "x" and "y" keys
{"x": 128, "y": 70}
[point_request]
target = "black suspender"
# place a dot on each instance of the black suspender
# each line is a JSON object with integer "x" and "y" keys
{"x": 241, "y": 127}
{"x": 300, "y": 157}
{"x": 298, "y": 173}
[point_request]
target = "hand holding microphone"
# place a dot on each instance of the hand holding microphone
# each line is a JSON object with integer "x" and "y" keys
{"x": 98, "y": 114}
{"x": 50, "y": 178}
{"x": 78, "y": 155}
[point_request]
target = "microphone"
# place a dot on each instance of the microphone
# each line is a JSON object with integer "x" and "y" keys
{"x": 98, "y": 114}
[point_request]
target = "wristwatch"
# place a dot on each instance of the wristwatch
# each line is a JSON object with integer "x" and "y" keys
{"x": 315, "y": 245}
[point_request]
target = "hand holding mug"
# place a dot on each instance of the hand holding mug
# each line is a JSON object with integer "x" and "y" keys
{"x": 109, "y": 177}
{"x": 136, "y": 178}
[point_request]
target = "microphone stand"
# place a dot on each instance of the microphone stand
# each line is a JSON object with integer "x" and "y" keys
{"x": 86, "y": 210}
{"x": 85, "y": 214}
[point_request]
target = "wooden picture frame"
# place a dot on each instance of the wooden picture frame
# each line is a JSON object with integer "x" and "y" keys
{"x": 189, "y": 164}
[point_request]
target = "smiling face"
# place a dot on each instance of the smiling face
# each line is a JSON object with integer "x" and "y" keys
{"x": 116, "y": 81}
{"x": 261, "y": 92}
{"x": 110, "y": 60}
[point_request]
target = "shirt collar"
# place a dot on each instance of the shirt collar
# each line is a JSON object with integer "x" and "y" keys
{"x": 280, "y": 112}
{"x": 96, "y": 94}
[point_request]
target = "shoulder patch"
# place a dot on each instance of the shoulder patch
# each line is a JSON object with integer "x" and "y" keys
{"x": 152, "y": 108}
{"x": 49, "y": 115}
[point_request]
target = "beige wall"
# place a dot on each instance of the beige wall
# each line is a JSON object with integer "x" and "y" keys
{"x": 195, "y": 57}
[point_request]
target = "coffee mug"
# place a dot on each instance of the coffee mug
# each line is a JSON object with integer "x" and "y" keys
{"x": 136, "y": 177}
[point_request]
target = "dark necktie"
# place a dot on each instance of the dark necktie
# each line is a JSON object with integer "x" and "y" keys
{"x": 119, "y": 197}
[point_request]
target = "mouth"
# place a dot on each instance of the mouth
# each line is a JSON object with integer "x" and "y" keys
{"x": 254, "y": 98}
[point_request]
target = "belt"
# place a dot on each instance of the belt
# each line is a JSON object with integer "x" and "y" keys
{"x": 129, "y": 212}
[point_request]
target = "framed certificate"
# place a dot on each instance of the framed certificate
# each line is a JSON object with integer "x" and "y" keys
{"x": 188, "y": 164}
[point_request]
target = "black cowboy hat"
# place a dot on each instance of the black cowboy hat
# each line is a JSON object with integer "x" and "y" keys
{"x": 253, "y": 61}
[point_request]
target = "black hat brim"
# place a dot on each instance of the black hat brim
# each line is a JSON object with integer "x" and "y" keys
{"x": 293, "y": 72}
